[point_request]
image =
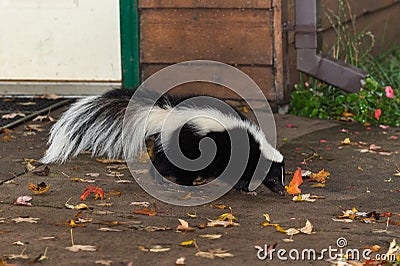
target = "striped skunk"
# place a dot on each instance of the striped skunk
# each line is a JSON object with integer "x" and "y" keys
{"x": 95, "y": 123}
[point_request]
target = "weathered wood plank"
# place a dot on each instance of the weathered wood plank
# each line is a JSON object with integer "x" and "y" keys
{"x": 358, "y": 8}
{"x": 229, "y": 36}
{"x": 263, "y": 76}
{"x": 278, "y": 52}
{"x": 204, "y": 4}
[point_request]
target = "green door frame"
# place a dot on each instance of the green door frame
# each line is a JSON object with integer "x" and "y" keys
{"x": 129, "y": 27}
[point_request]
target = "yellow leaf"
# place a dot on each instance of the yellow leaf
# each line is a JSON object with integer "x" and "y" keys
{"x": 321, "y": 176}
{"x": 187, "y": 243}
{"x": 227, "y": 216}
{"x": 192, "y": 215}
{"x": 346, "y": 141}
{"x": 40, "y": 188}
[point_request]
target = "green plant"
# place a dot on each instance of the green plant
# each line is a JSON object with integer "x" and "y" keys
{"x": 379, "y": 100}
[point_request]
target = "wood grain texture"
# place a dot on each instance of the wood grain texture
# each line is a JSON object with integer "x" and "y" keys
{"x": 263, "y": 76}
{"x": 204, "y": 4}
{"x": 229, "y": 36}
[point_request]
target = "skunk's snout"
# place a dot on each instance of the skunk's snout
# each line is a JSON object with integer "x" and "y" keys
{"x": 276, "y": 186}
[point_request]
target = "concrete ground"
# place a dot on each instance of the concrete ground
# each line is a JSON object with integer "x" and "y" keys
{"x": 361, "y": 177}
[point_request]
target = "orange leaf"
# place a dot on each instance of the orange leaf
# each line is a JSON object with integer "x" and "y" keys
{"x": 147, "y": 211}
{"x": 97, "y": 191}
{"x": 294, "y": 184}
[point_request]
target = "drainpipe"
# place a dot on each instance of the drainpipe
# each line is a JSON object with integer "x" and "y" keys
{"x": 332, "y": 71}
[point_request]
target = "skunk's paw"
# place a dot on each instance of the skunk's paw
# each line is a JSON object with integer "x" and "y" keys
{"x": 242, "y": 185}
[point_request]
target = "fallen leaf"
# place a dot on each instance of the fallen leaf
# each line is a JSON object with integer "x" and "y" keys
{"x": 12, "y": 115}
{"x": 31, "y": 220}
{"x": 303, "y": 197}
{"x": 147, "y": 211}
{"x": 43, "y": 117}
{"x": 34, "y": 127}
{"x": 211, "y": 236}
{"x": 294, "y": 184}
{"x": 346, "y": 141}
{"x": 155, "y": 248}
{"x": 227, "y": 216}
{"x": 82, "y": 180}
{"x": 18, "y": 256}
{"x": 108, "y": 229}
{"x": 29, "y": 167}
{"x": 157, "y": 228}
{"x": 47, "y": 238}
{"x": 188, "y": 243}
{"x": 307, "y": 229}
{"x": 180, "y": 261}
{"x": 92, "y": 174}
{"x": 76, "y": 248}
{"x": 212, "y": 223}
{"x": 97, "y": 191}
{"x": 41, "y": 257}
{"x": 192, "y": 215}
{"x": 114, "y": 174}
{"x": 140, "y": 203}
{"x": 216, "y": 253}
{"x": 19, "y": 243}
{"x": 220, "y": 206}
{"x": 184, "y": 226}
{"x": 40, "y": 188}
{"x": 23, "y": 200}
{"x": 104, "y": 262}
{"x": 321, "y": 176}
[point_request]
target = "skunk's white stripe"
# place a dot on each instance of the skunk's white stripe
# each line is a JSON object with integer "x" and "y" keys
{"x": 103, "y": 136}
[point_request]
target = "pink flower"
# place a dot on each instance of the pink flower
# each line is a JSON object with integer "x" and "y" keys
{"x": 307, "y": 84}
{"x": 389, "y": 92}
{"x": 378, "y": 113}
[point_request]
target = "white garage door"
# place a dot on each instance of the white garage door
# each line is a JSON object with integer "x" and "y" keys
{"x": 59, "y": 44}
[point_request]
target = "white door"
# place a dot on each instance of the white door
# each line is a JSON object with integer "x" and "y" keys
{"x": 61, "y": 46}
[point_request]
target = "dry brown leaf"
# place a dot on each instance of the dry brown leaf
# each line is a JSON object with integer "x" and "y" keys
{"x": 211, "y": 236}
{"x": 184, "y": 226}
{"x": 76, "y": 248}
{"x": 31, "y": 220}
{"x": 104, "y": 262}
{"x": 12, "y": 115}
{"x": 108, "y": 229}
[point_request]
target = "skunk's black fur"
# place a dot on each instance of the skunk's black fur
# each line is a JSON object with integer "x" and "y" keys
{"x": 96, "y": 124}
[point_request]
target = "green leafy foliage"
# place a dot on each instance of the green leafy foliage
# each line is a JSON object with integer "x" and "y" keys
{"x": 378, "y": 102}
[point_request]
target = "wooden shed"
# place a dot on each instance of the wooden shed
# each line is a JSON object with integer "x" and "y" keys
{"x": 256, "y": 36}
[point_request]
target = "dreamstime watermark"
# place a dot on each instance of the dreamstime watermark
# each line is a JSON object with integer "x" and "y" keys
{"x": 331, "y": 253}
{"x": 196, "y": 71}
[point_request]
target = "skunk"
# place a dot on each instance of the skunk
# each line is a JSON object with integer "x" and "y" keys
{"x": 96, "y": 124}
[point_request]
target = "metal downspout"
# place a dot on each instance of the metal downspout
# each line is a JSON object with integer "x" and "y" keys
{"x": 332, "y": 71}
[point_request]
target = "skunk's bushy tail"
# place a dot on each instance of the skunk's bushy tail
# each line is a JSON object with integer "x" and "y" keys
{"x": 93, "y": 123}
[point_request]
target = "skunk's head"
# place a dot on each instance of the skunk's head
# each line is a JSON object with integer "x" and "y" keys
{"x": 275, "y": 179}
